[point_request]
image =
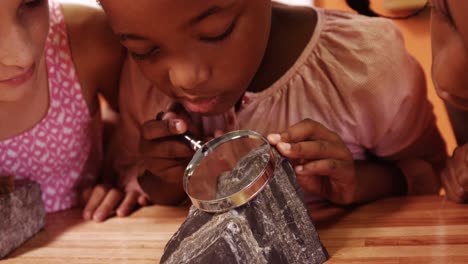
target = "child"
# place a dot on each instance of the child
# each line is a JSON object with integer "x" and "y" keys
{"x": 449, "y": 26}
{"x": 336, "y": 93}
{"x": 54, "y": 60}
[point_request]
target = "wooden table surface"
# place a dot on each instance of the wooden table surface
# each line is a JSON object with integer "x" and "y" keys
{"x": 427, "y": 229}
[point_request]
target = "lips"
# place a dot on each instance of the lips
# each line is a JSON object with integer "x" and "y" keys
{"x": 19, "y": 79}
{"x": 201, "y": 105}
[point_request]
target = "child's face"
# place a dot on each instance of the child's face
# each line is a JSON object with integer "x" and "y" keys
{"x": 450, "y": 51}
{"x": 203, "y": 53}
{"x": 23, "y": 29}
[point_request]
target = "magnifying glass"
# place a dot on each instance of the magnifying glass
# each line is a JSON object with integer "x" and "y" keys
{"x": 228, "y": 171}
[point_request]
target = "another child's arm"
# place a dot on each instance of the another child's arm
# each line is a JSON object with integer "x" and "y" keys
{"x": 98, "y": 57}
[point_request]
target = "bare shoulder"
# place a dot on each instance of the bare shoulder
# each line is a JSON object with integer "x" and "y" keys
{"x": 96, "y": 52}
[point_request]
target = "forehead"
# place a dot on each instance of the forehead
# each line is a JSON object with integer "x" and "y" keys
{"x": 124, "y": 14}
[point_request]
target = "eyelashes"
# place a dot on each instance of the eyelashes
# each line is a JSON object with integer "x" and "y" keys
{"x": 32, "y": 3}
{"x": 154, "y": 51}
{"x": 142, "y": 56}
{"x": 221, "y": 36}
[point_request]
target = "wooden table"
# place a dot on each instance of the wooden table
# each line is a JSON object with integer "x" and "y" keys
{"x": 398, "y": 230}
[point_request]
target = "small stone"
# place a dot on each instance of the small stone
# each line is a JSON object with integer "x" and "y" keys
{"x": 274, "y": 227}
{"x": 22, "y": 215}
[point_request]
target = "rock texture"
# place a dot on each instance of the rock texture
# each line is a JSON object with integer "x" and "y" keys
{"x": 274, "y": 227}
{"x": 22, "y": 215}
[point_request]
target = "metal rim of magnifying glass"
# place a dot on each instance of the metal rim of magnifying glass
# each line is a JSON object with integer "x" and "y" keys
{"x": 244, "y": 195}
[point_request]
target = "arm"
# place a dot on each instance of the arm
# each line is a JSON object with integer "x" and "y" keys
{"x": 151, "y": 161}
{"x": 96, "y": 52}
{"x": 403, "y": 128}
{"x": 97, "y": 56}
{"x": 390, "y": 118}
{"x": 325, "y": 166}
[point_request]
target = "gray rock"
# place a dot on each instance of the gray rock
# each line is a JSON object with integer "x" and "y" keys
{"x": 22, "y": 214}
{"x": 274, "y": 227}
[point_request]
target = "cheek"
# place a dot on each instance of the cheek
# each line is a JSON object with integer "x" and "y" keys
{"x": 241, "y": 59}
{"x": 38, "y": 30}
{"x": 450, "y": 67}
{"x": 157, "y": 75}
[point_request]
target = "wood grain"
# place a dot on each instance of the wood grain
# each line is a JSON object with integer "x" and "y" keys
{"x": 426, "y": 229}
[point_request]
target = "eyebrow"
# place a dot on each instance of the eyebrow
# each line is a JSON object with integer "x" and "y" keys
{"x": 208, "y": 12}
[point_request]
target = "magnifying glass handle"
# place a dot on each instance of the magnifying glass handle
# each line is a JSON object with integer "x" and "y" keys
{"x": 194, "y": 143}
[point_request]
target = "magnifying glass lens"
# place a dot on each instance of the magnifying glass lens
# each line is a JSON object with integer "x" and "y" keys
{"x": 228, "y": 171}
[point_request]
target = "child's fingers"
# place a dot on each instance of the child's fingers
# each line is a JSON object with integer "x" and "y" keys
{"x": 274, "y": 139}
{"x": 170, "y": 148}
{"x": 169, "y": 170}
{"x": 308, "y": 129}
{"x": 108, "y": 205}
{"x": 312, "y": 184}
{"x": 85, "y": 195}
{"x": 97, "y": 196}
{"x": 459, "y": 161}
{"x": 316, "y": 149}
{"x": 320, "y": 167}
{"x": 128, "y": 204}
{"x": 452, "y": 190}
{"x": 155, "y": 129}
{"x": 143, "y": 201}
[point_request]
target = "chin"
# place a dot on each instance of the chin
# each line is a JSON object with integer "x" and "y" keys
{"x": 11, "y": 97}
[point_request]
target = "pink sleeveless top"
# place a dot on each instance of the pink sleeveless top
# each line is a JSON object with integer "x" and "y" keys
{"x": 60, "y": 151}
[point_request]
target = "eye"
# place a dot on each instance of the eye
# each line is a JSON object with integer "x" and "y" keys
{"x": 221, "y": 36}
{"x": 145, "y": 55}
{"x": 32, "y": 3}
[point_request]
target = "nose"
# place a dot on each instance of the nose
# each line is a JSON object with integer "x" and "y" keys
{"x": 188, "y": 75}
{"x": 16, "y": 49}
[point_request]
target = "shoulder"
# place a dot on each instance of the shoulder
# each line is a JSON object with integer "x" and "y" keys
{"x": 344, "y": 31}
{"x": 96, "y": 52}
{"x": 342, "y": 22}
{"x": 362, "y": 50}
{"x": 87, "y": 26}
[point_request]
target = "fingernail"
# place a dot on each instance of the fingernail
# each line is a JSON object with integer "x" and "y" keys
{"x": 87, "y": 215}
{"x": 284, "y": 146}
{"x": 118, "y": 212}
{"x": 299, "y": 168}
{"x": 274, "y": 137}
{"x": 177, "y": 124}
{"x": 98, "y": 217}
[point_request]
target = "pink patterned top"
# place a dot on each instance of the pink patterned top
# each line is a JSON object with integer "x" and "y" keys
{"x": 59, "y": 152}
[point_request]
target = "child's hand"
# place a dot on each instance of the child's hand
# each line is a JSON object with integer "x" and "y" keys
{"x": 165, "y": 156}
{"x": 323, "y": 164}
{"x": 455, "y": 175}
{"x": 103, "y": 202}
